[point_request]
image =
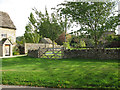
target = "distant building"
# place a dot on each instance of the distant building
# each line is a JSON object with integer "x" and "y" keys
{"x": 46, "y": 40}
{"x": 7, "y": 34}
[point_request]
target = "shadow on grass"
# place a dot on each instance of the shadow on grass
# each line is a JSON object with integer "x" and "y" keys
{"x": 25, "y": 60}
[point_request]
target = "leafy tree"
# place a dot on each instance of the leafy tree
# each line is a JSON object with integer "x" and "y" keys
{"x": 94, "y": 18}
{"x": 31, "y": 34}
{"x": 48, "y": 25}
{"x": 44, "y": 25}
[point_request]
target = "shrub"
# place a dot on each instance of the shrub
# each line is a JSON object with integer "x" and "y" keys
{"x": 77, "y": 42}
{"x": 113, "y": 41}
{"x": 89, "y": 43}
{"x": 61, "y": 38}
{"x": 16, "y": 50}
{"x": 66, "y": 45}
{"x": 82, "y": 43}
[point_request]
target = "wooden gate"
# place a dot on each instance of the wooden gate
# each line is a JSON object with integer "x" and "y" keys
{"x": 51, "y": 53}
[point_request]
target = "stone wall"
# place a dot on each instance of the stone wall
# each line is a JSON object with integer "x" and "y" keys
{"x": 93, "y": 54}
{"x": 33, "y": 53}
{"x": 36, "y": 46}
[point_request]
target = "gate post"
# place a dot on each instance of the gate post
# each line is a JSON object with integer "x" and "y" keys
{"x": 39, "y": 53}
{"x": 62, "y": 52}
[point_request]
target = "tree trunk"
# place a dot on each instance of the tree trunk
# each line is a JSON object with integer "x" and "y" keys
{"x": 95, "y": 41}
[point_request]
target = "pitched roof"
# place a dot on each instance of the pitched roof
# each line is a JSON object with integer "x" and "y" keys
{"x": 4, "y": 39}
{"x": 5, "y": 21}
{"x": 46, "y": 40}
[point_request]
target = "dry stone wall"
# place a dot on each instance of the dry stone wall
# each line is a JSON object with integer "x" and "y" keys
{"x": 36, "y": 46}
{"x": 33, "y": 53}
{"x": 93, "y": 54}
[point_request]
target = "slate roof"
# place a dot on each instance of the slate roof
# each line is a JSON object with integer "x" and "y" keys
{"x": 5, "y": 21}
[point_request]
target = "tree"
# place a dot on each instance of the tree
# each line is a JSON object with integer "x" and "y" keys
{"x": 94, "y": 18}
{"x": 48, "y": 25}
{"x": 44, "y": 25}
{"x": 31, "y": 34}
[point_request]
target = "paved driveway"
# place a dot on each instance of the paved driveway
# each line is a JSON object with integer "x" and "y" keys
{"x": 38, "y": 89}
{"x": 11, "y": 87}
{"x": 35, "y": 89}
{"x": 13, "y": 56}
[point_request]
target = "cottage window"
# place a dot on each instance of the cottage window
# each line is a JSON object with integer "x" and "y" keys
{"x": 4, "y": 35}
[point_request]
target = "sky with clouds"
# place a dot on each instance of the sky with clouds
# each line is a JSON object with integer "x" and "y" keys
{"x": 19, "y": 10}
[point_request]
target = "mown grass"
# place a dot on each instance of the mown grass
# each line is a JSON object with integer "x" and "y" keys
{"x": 63, "y": 73}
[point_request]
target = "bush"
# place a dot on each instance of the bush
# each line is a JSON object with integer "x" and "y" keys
{"x": 16, "y": 50}
{"x": 82, "y": 43}
{"x": 66, "y": 45}
{"x": 21, "y": 49}
{"x": 77, "y": 43}
{"x": 61, "y": 38}
{"x": 113, "y": 41}
{"x": 89, "y": 43}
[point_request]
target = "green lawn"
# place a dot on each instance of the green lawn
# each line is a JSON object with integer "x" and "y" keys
{"x": 63, "y": 73}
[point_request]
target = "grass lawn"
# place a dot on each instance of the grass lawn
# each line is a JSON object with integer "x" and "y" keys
{"x": 63, "y": 73}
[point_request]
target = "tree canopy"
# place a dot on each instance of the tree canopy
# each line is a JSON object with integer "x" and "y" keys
{"x": 48, "y": 25}
{"x": 94, "y": 18}
{"x": 43, "y": 25}
{"x": 31, "y": 34}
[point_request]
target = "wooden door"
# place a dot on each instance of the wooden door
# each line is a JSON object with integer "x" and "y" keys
{"x": 7, "y": 50}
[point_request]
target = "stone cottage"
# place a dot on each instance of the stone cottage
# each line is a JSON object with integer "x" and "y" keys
{"x": 7, "y": 35}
